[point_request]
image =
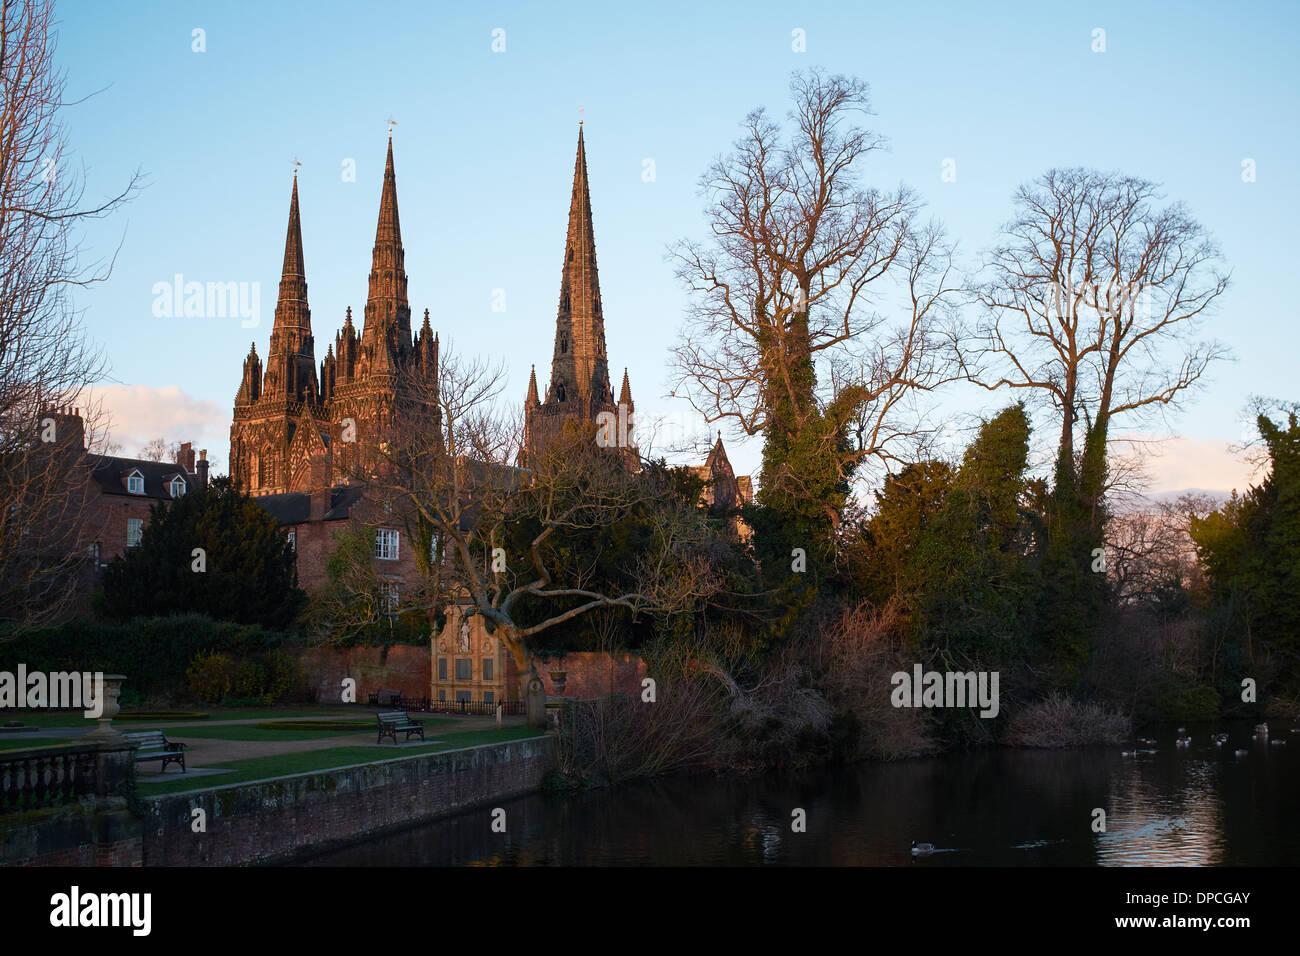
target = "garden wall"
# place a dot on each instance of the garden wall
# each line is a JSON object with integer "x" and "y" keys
{"x": 401, "y": 667}
{"x": 274, "y": 820}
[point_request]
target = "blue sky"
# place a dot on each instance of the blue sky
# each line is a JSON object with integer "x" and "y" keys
{"x": 484, "y": 148}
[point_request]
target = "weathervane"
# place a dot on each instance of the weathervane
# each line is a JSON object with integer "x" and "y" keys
{"x": 296, "y": 164}
{"x": 579, "y": 115}
{"x": 391, "y": 123}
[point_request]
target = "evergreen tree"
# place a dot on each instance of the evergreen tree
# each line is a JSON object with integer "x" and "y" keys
{"x": 213, "y": 551}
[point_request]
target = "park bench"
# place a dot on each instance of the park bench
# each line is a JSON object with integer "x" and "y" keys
{"x": 154, "y": 745}
{"x": 393, "y": 722}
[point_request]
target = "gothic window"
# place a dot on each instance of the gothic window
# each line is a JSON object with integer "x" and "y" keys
{"x": 559, "y": 392}
{"x": 570, "y": 253}
{"x": 564, "y": 344}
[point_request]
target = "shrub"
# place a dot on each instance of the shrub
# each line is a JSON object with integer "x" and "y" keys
{"x": 1182, "y": 699}
{"x": 209, "y": 677}
{"x": 154, "y": 653}
{"x": 1059, "y": 721}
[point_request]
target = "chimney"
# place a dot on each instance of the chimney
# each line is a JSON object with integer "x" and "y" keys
{"x": 202, "y": 467}
{"x": 69, "y": 429}
{"x": 185, "y": 458}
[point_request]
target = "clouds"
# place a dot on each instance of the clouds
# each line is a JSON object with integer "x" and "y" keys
{"x": 1174, "y": 464}
{"x": 137, "y": 414}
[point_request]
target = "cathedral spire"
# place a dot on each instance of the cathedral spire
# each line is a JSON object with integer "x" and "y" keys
{"x": 532, "y": 399}
{"x": 388, "y": 315}
{"x": 291, "y": 312}
{"x": 579, "y": 369}
{"x": 291, "y": 360}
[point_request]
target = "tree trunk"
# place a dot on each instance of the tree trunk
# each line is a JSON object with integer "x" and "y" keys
{"x": 531, "y": 688}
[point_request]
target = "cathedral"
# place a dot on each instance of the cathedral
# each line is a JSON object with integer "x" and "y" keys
{"x": 297, "y": 428}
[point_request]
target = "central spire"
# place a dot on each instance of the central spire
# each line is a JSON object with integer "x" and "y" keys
{"x": 579, "y": 368}
{"x": 388, "y": 315}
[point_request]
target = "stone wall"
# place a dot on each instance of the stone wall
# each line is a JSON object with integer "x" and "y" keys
{"x": 274, "y": 820}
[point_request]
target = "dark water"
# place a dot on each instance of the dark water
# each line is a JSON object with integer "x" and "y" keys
{"x": 1201, "y": 806}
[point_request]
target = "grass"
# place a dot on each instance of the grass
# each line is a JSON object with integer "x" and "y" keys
{"x": 282, "y": 765}
{"x": 74, "y": 718}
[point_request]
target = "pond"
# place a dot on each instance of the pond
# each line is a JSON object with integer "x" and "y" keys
{"x": 1201, "y": 805}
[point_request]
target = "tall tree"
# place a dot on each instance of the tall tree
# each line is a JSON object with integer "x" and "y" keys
{"x": 1250, "y": 549}
{"x": 46, "y": 361}
{"x": 974, "y": 564}
{"x": 213, "y": 551}
{"x": 1091, "y": 304}
{"x": 792, "y": 331}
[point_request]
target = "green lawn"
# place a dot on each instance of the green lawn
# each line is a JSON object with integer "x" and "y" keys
{"x": 254, "y": 732}
{"x": 282, "y": 765}
{"x": 74, "y": 718}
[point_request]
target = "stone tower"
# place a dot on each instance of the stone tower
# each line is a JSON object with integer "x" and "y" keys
{"x": 273, "y": 400}
{"x": 579, "y": 388}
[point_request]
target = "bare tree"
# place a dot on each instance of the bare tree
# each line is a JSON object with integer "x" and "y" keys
{"x": 791, "y": 331}
{"x": 160, "y": 449}
{"x": 465, "y": 501}
{"x": 1091, "y": 302}
{"x": 46, "y": 361}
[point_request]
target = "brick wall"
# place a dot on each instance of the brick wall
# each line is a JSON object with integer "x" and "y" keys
{"x": 402, "y": 667}
{"x": 589, "y": 674}
{"x": 72, "y": 835}
{"x": 275, "y": 820}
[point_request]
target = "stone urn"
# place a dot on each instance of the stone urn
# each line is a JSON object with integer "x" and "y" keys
{"x": 558, "y": 680}
{"x": 109, "y": 692}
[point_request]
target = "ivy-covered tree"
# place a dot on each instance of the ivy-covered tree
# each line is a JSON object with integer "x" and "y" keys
{"x": 1250, "y": 549}
{"x": 973, "y": 565}
{"x": 879, "y": 556}
{"x": 214, "y": 551}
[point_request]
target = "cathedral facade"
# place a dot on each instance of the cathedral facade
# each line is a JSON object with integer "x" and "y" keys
{"x": 299, "y": 426}
{"x": 296, "y": 428}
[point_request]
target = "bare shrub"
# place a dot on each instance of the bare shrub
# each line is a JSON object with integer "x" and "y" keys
{"x": 616, "y": 738}
{"x": 1059, "y": 721}
{"x": 854, "y": 656}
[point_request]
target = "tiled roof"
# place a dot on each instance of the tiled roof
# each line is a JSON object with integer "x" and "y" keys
{"x": 110, "y": 473}
{"x": 294, "y": 507}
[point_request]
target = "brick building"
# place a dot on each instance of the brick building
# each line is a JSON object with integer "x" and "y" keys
{"x": 116, "y": 499}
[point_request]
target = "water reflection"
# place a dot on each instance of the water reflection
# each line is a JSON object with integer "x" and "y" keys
{"x": 1195, "y": 806}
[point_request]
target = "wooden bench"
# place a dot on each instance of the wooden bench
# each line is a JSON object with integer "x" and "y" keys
{"x": 154, "y": 745}
{"x": 393, "y": 722}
